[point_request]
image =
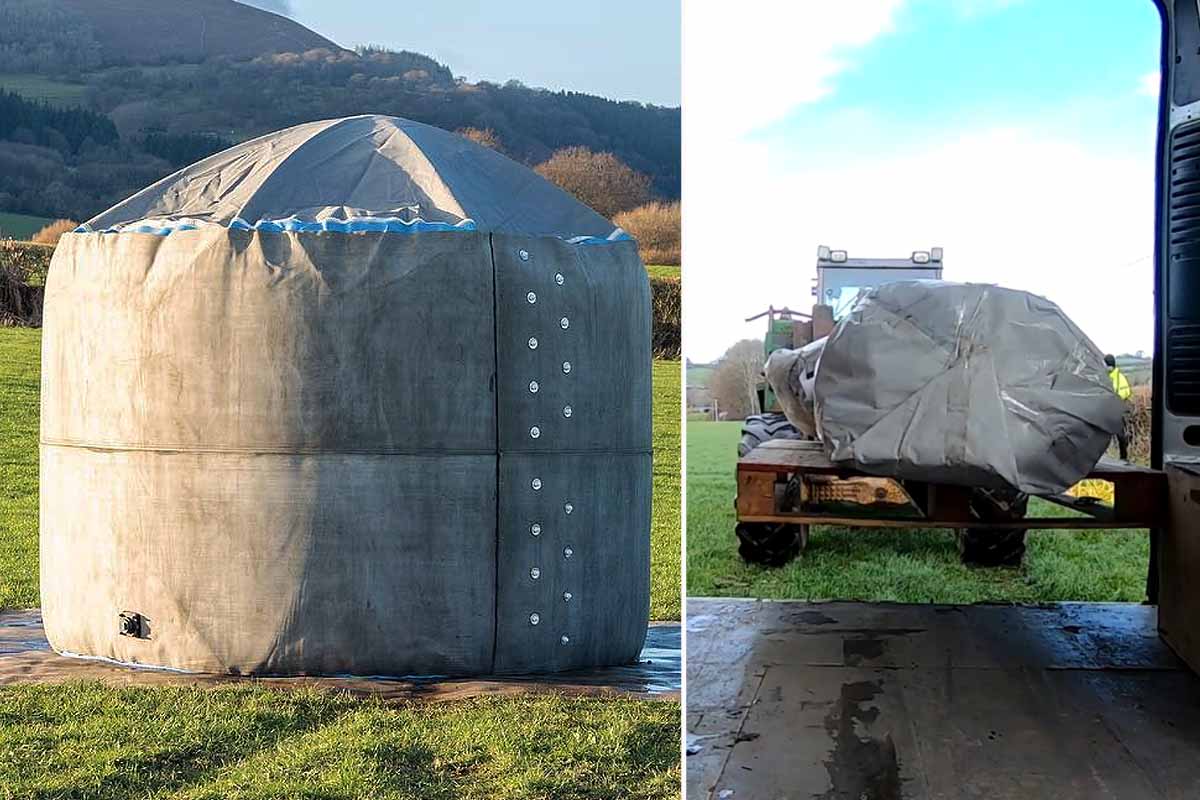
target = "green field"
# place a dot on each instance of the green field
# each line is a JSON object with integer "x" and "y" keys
{"x": 666, "y": 537}
{"x": 84, "y": 740}
{"x": 699, "y": 374}
{"x": 916, "y": 566}
{"x": 663, "y": 272}
{"x": 88, "y": 740}
{"x": 20, "y": 226}
{"x": 19, "y": 387}
{"x": 38, "y": 87}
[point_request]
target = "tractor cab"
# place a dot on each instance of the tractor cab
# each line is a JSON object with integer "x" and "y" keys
{"x": 841, "y": 279}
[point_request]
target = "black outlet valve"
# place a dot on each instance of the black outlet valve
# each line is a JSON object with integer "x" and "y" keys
{"x": 133, "y": 624}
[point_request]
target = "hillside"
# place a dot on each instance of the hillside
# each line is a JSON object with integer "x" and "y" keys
{"x": 96, "y": 33}
{"x": 152, "y": 86}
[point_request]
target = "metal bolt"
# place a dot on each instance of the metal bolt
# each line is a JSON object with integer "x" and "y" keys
{"x": 536, "y": 483}
{"x": 535, "y": 618}
{"x": 524, "y": 254}
{"x": 564, "y": 323}
{"x": 533, "y": 343}
{"x": 535, "y": 573}
{"x": 535, "y": 432}
{"x": 570, "y": 509}
{"x": 536, "y": 529}
{"x": 533, "y": 387}
{"x": 567, "y": 597}
{"x": 566, "y": 368}
{"x": 558, "y": 278}
{"x": 565, "y": 639}
{"x": 568, "y": 552}
{"x": 568, "y": 411}
{"x": 531, "y": 297}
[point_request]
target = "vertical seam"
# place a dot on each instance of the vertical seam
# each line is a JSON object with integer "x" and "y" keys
{"x": 496, "y": 411}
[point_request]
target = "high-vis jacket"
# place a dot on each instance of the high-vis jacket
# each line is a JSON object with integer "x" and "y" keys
{"x": 1120, "y": 384}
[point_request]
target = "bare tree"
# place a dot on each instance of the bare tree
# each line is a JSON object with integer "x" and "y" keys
{"x": 600, "y": 180}
{"x": 735, "y": 380}
{"x": 483, "y": 136}
{"x": 656, "y": 226}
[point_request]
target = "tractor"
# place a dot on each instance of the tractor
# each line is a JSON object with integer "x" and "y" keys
{"x": 839, "y": 282}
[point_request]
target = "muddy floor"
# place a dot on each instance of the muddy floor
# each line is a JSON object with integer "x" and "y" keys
{"x": 858, "y": 701}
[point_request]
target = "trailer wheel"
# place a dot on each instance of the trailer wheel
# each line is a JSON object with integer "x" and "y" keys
{"x": 760, "y": 428}
{"x": 996, "y": 547}
{"x": 770, "y": 544}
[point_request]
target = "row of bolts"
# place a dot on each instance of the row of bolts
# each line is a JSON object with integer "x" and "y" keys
{"x": 535, "y": 432}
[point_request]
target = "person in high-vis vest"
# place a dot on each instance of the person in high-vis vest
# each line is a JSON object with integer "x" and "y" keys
{"x": 1120, "y": 385}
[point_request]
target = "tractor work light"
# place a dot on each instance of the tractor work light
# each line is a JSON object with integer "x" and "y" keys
{"x": 822, "y": 253}
{"x": 920, "y": 257}
{"x": 838, "y": 256}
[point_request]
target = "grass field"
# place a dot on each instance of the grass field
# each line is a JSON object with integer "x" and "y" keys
{"x": 39, "y": 87}
{"x": 19, "y": 386}
{"x": 699, "y": 374}
{"x": 20, "y": 226}
{"x": 87, "y": 740}
{"x": 90, "y": 741}
{"x": 881, "y": 565}
{"x": 663, "y": 272}
{"x": 666, "y": 538}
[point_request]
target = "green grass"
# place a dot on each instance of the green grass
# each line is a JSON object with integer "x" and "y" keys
{"x": 20, "y": 226}
{"x": 666, "y": 529}
{"x": 663, "y": 272}
{"x": 19, "y": 387}
{"x": 38, "y": 87}
{"x": 918, "y": 566}
{"x": 699, "y": 375}
{"x": 20, "y": 357}
{"x": 88, "y": 740}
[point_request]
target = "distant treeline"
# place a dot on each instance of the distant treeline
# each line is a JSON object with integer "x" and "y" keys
{"x": 241, "y": 99}
{"x": 72, "y": 163}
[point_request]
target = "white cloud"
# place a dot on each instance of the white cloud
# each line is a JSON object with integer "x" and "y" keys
{"x": 1016, "y": 207}
{"x": 744, "y": 69}
{"x": 1148, "y": 84}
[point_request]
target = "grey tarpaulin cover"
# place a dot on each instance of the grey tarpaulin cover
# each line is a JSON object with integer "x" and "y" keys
{"x": 964, "y": 383}
{"x": 371, "y": 170}
{"x": 352, "y": 398}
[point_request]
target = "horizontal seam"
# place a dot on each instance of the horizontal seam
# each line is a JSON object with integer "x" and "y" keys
{"x": 283, "y": 451}
{"x": 296, "y": 451}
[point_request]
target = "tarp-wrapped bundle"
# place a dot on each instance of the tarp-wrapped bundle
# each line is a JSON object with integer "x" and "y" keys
{"x": 357, "y": 397}
{"x": 967, "y": 384}
{"x": 791, "y": 375}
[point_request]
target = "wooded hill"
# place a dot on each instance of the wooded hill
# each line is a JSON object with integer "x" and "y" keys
{"x": 178, "y": 80}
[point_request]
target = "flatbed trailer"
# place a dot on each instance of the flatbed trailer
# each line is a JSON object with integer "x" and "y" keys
{"x": 783, "y": 481}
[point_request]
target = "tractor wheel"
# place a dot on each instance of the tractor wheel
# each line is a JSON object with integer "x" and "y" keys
{"x": 770, "y": 544}
{"x": 762, "y": 427}
{"x": 995, "y": 547}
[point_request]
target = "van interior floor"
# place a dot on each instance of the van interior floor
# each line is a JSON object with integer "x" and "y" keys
{"x": 880, "y": 701}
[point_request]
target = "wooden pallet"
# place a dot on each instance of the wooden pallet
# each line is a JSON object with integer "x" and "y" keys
{"x": 1139, "y": 496}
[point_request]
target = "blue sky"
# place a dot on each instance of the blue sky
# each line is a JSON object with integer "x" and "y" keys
{"x": 994, "y": 63}
{"x": 1018, "y": 134}
{"x": 622, "y": 49}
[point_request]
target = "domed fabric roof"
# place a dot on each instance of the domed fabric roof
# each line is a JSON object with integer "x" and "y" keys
{"x": 364, "y": 173}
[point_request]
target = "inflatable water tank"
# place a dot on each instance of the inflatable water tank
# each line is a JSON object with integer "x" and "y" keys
{"x": 356, "y": 397}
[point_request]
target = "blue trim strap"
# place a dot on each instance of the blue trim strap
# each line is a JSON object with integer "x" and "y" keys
{"x": 165, "y": 227}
